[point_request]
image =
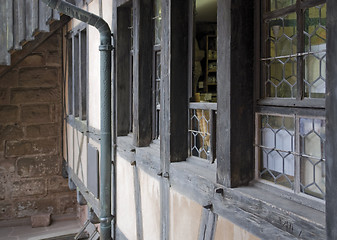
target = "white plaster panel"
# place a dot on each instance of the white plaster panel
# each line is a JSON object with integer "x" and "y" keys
{"x": 94, "y": 70}
{"x": 126, "y": 209}
{"x": 80, "y": 156}
{"x": 226, "y": 230}
{"x": 150, "y": 201}
{"x": 107, "y": 11}
{"x": 185, "y": 216}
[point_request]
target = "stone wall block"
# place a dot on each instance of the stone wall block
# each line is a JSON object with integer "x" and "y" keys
{"x": 6, "y": 210}
{"x": 10, "y": 79}
{"x": 67, "y": 204}
{"x": 31, "y": 147}
{"x": 29, "y": 207}
{"x": 33, "y": 60}
{"x": 57, "y": 184}
{"x": 7, "y": 164}
{"x": 28, "y": 187}
{"x": 38, "y": 77}
{"x": 41, "y": 95}
{"x": 54, "y": 59}
{"x": 10, "y": 132}
{"x": 43, "y": 130}
{"x": 4, "y": 96}
{"x": 38, "y": 166}
{"x": 3, "y": 182}
{"x": 9, "y": 114}
{"x": 38, "y": 113}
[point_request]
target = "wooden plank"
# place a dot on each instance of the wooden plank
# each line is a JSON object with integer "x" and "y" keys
{"x": 142, "y": 69}
{"x": 83, "y": 65}
{"x": 32, "y": 18}
{"x": 4, "y": 55}
{"x": 10, "y": 24}
{"x": 235, "y": 137}
{"x": 31, "y": 46}
{"x": 174, "y": 83}
{"x": 69, "y": 65}
{"x": 331, "y": 122}
{"x": 122, "y": 34}
{"x": 19, "y": 23}
{"x": 75, "y": 71}
{"x": 44, "y": 12}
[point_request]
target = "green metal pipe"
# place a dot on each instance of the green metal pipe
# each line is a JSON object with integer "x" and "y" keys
{"x": 105, "y": 92}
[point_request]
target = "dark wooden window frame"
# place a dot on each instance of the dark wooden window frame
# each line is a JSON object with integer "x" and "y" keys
{"x": 299, "y": 107}
{"x": 77, "y": 64}
{"x": 124, "y": 54}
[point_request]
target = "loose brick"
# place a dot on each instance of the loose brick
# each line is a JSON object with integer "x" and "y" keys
{"x": 9, "y": 114}
{"x": 35, "y": 95}
{"x": 38, "y": 77}
{"x": 28, "y": 187}
{"x": 33, "y": 60}
{"x": 40, "y": 220}
{"x": 10, "y": 132}
{"x": 35, "y": 113}
{"x": 4, "y": 96}
{"x": 38, "y": 166}
{"x": 10, "y": 79}
{"x": 30, "y": 147}
{"x": 44, "y": 130}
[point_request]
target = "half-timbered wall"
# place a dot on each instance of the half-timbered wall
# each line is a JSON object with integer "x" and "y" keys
{"x": 162, "y": 193}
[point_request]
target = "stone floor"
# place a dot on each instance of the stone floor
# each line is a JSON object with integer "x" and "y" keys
{"x": 59, "y": 230}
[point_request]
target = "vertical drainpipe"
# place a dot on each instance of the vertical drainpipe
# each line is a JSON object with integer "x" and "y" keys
{"x": 105, "y": 93}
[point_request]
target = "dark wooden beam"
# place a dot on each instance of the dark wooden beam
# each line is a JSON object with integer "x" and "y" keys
{"x": 122, "y": 34}
{"x": 123, "y": 3}
{"x": 142, "y": 69}
{"x": 331, "y": 122}
{"x": 235, "y": 118}
{"x": 29, "y": 47}
{"x": 174, "y": 83}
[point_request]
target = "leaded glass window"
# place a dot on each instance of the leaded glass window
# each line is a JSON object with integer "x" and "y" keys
{"x": 290, "y": 118}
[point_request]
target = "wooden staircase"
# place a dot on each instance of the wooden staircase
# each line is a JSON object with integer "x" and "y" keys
{"x": 24, "y": 25}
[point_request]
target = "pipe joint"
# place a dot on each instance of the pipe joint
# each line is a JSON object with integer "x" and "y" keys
{"x": 106, "y": 220}
{"x": 106, "y": 47}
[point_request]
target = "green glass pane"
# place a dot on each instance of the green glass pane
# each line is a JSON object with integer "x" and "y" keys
{"x": 282, "y": 39}
{"x": 157, "y": 21}
{"x": 278, "y": 4}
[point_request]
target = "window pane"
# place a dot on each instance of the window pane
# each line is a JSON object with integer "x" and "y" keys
{"x": 280, "y": 68}
{"x": 315, "y": 44}
{"x": 200, "y": 133}
{"x": 276, "y": 148}
{"x": 157, "y": 21}
{"x": 312, "y": 136}
{"x": 278, "y": 4}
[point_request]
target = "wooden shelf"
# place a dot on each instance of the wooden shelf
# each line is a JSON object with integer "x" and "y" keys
{"x": 210, "y": 59}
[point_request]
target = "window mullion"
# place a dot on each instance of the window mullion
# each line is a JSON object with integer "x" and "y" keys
{"x": 300, "y": 49}
{"x": 264, "y": 53}
{"x": 297, "y": 180}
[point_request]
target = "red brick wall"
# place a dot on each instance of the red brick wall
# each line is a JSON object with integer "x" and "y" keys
{"x": 30, "y": 136}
